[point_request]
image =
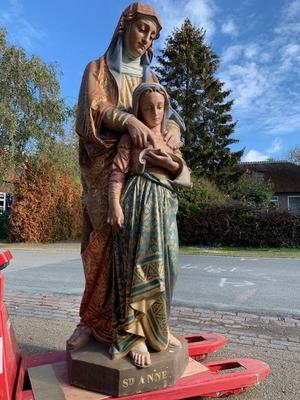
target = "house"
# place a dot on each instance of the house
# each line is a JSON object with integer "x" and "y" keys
{"x": 5, "y": 198}
{"x": 6, "y": 189}
{"x": 285, "y": 177}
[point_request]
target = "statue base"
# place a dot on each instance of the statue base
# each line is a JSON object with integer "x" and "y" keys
{"x": 92, "y": 368}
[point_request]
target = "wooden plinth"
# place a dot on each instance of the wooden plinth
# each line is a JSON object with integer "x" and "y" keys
{"x": 91, "y": 368}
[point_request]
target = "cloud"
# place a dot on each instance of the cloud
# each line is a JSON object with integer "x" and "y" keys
{"x": 263, "y": 77}
{"x": 292, "y": 10}
{"x": 230, "y": 28}
{"x": 21, "y": 30}
{"x": 232, "y": 53}
{"x": 262, "y": 73}
{"x": 254, "y": 155}
{"x": 276, "y": 146}
{"x": 235, "y": 52}
{"x": 173, "y": 13}
{"x": 289, "y": 23}
{"x": 251, "y": 51}
{"x": 248, "y": 82}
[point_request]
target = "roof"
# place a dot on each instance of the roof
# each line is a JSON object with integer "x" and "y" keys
{"x": 284, "y": 175}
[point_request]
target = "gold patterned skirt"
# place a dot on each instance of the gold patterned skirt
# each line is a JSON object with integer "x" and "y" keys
{"x": 145, "y": 264}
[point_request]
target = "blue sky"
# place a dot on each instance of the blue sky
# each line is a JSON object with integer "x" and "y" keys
{"x": 258, "y": 42}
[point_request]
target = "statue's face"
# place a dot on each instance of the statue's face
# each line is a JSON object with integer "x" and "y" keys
{"x": 140, "y": 36}
{"x": 152, "y": 107}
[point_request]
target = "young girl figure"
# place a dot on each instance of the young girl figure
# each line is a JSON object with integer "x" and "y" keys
{"x": 142, "y": 213}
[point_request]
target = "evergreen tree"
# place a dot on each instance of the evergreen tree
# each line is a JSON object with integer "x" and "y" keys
{"x": 186, "y": 67}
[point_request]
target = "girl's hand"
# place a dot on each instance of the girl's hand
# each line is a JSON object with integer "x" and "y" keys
{"x": 115, "y": 216}
{"x": 160, "y": 158}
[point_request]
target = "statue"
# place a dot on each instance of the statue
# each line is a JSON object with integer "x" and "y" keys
{"x": 142, "y": 212}
{"x": 102, "y": 117}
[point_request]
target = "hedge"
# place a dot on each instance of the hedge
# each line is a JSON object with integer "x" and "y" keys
{"x": 47, "y": 205}
{"x": 240, "y": 225}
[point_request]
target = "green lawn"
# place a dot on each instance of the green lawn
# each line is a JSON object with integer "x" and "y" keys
{"x": 241, "y": 252}
{"x": 188, "y": 250}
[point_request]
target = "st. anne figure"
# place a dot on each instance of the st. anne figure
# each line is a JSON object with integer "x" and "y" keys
{"x": 142, "y": 212}
{"x": 102, "y": 117}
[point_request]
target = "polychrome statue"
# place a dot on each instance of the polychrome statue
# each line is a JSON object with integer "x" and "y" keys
{"x": 103, "y": 115}
{"x": 142, "y": 212}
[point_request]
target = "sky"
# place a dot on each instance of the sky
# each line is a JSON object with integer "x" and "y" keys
{"x": 258, "y": 43}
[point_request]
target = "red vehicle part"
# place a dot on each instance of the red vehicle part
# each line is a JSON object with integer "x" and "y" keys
{"x": 202, "y": 343}
{"x": 5, "y": 259}
{"x": 226, "y": 377}
{"x": 9, "y": 351}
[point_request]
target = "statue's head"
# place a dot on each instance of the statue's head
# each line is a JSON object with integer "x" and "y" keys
{"x": 140, "y": 25}
{"x": 151, "y": 104}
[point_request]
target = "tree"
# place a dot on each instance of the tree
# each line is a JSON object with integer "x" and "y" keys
{"x": 294, "y": 155}
{"x": 249, "y": 191}
{"x": 32, "y": 113}
{"x": 38, "y": 144}
{"x": 186, "y": 67}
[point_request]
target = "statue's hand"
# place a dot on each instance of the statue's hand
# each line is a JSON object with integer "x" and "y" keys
{"x": 115, "y": 215}
{"x": 140, "y": 134}
{"x": 172, "y": 138}
{"x": 160, "y": 158}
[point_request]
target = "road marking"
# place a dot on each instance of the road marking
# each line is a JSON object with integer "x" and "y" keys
{"x": 188, "y": 266}
{"x": 224, "y": 281}
{"x": 218, "y": 270}
{"x": 214, "y": 270}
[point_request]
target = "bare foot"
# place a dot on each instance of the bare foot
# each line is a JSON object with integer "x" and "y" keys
{"x": 173, "y": 341}
{"x": 140, "y": 355}
{"x": 80, "y": 337}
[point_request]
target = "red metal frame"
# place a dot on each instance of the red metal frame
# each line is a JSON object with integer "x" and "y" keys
{"x": 9, "y": 352}
{"x": 5, "y": 258}
{"x": 224, "y": 377}
{"x": 203, "y": 343}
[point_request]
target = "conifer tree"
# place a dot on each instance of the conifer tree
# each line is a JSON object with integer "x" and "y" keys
{"x": 187, "y": 67}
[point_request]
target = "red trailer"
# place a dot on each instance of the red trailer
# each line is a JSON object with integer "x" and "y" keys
{"x": 218, "y": 379}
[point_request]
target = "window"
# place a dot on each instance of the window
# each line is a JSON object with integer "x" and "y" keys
{"x": 2, "y": 202}
{"x": 259, "y": 176}
{"x": 294, "y": 204}
{"x": 275, "y": 201}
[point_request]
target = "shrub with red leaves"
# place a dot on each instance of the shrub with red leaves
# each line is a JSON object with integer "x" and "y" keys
{"x": 47, "y": 205}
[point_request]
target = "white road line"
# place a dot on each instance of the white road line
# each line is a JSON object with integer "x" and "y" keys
{"x": 224, "y": 281}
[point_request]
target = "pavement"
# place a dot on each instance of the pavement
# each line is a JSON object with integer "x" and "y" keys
{"x": 42, "y": 323}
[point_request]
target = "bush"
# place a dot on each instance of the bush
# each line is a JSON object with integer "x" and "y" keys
{"x": 241, "y": 225}
{"x": 47, "y": 204}
{"x": 248, "y": 190}
{"x": 202, "y": 194}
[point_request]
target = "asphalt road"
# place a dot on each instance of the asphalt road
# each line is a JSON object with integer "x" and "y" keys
{"x": 258, "y": 285}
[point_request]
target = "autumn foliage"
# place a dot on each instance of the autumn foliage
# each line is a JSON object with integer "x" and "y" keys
{"x": 47, "y": 204}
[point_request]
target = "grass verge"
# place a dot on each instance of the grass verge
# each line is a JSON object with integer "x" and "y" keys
{"x": 241, "y": 252}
